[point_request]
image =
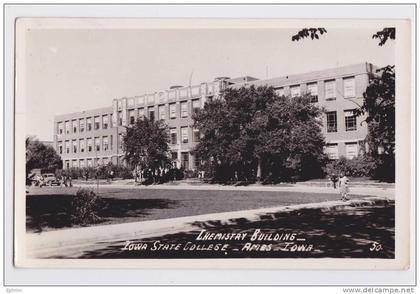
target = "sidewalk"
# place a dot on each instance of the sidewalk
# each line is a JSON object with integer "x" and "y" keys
{"x": 73, "y": 242}
{"x": 387, "y": 191}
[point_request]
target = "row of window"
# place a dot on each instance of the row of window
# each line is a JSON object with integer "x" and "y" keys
{"x": 162, "y": 112}
{"x": 351, "y": 150}
{"x": 103, "y": 121}
{"x": 85, "y": 145}
{"x": 90, "y": 162}
{"x": 105, "y": 143}
{"x": 349, "y": 121}
{"x": 173, "y": 133}
{"x": 82, "y": 124}
{"x": 163, "y": 98}
{"x": 330, "y": 89}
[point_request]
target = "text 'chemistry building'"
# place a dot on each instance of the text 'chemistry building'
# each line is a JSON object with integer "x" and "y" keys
{"x": 94, "y": 137}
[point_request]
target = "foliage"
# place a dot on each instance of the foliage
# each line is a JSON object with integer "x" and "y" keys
{"x": 146, "y": 146}
{"x": 384, "y": 35}
{"x": 361, "y": 166}
{"x": 84, "y": 207}
{"x": 253, "y": 129}
{"x": 102, "y": 172}
{"x": 379, "y": 105}
{"x": 39, "y": 155}
{"x": 309, "y": 32}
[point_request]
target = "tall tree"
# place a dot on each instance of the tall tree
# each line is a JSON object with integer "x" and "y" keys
{"x": 40, "y": 155}
{"x": 379, "y": 105}
{"x": 253, "y": 133}
{"x": 146, "y": 145}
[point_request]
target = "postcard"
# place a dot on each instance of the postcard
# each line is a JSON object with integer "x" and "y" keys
{"x": 213, "y": 143}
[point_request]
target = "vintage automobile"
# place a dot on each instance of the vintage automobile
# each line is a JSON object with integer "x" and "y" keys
{"x": 49, "y": 180}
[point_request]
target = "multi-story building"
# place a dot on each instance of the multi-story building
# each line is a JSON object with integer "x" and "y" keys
{"x": 94, "y": 137}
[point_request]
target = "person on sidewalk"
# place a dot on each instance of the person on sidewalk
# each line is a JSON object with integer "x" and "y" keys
{"x": 344, "y": 187}
{"x": 334, "y": 180}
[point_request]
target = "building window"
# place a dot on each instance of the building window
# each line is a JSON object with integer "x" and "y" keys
{"x": 172, "y": 110}
{"x": 350, "y": 120}
{"x": 89, "y": 124}
{"x": 120, "y": 118}
{"x": 332, "y": 151}
{"x": 280, "y": 92}
{"x": 184, "y": 134}
{"x": 349, "y": 87}
{"x": 67, "y": 127}
{"x": 97, "y": 144}
{"x": 74, "y": 125}
{"x": 81, "y": 125}
{"x": 196, "y": 106}
{"x": 162, "y": 97}
{"x": 89, "y": 144}
{"x": 174, "y": 156}
{"x": 67, "y": 146}
{"x": 162, "y": 114}
{"x": 89, "y": 162}
{"x": 351, "y": 150}
{"x": 196, "y": 162}
{"x": 141, "y": 113}
{"x": 184, "y": 109}
{"x": 74, "y": 163}
{"x": 67, "y": 164}
{"x": 130, "y": 102}
{"x": 120, "y": 139}
{"x": 105, "y": 122}
{"x": 105, "y": 160}
{"x": 196, "y": 135}
{"x": 60, "y": 147}
{"x": 60, "y": 128}
{"x": 74, "y": 146}
{"x": 184, "y": 160}
{"x": 82, "y": 145}
{"x": 151, "y": 111}
{"x": 295, "y": 91}
{"x": 140, "y": 100}
{"x": 332, "y": 122}
{"x": 313, "y": 91}
{"x": 97, "y": 122}
{"x": 132, "y": 118}
{"x": 173, "y": 136}
{"x": 151, "y": 99}
{"x": 82, "y": 163}
{"x": 330, "y": 90}
{"x": 105, "y": 143}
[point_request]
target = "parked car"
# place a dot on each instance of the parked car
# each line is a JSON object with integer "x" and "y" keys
{"x": 50, "y": 180}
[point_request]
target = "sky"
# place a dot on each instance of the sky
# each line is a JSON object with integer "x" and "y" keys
{"x": 71, "y": 70}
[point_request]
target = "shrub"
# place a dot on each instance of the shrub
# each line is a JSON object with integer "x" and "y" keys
{"x": 84, "y": 208}
{"x": 360, "y": 166}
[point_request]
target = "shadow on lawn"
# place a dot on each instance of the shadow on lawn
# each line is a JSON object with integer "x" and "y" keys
{"x": 347, "y": 233}
{"x": 51, "y": 210}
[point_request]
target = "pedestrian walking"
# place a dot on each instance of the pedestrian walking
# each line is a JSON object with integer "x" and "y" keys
{"x": 334, "y": 180}
{"x": 344, "y": 187}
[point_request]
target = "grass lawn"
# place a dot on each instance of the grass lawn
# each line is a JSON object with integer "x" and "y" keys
{"x": 46, "y": 207}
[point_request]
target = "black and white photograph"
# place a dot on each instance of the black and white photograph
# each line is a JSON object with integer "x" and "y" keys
{"x": 251, "y": 142}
